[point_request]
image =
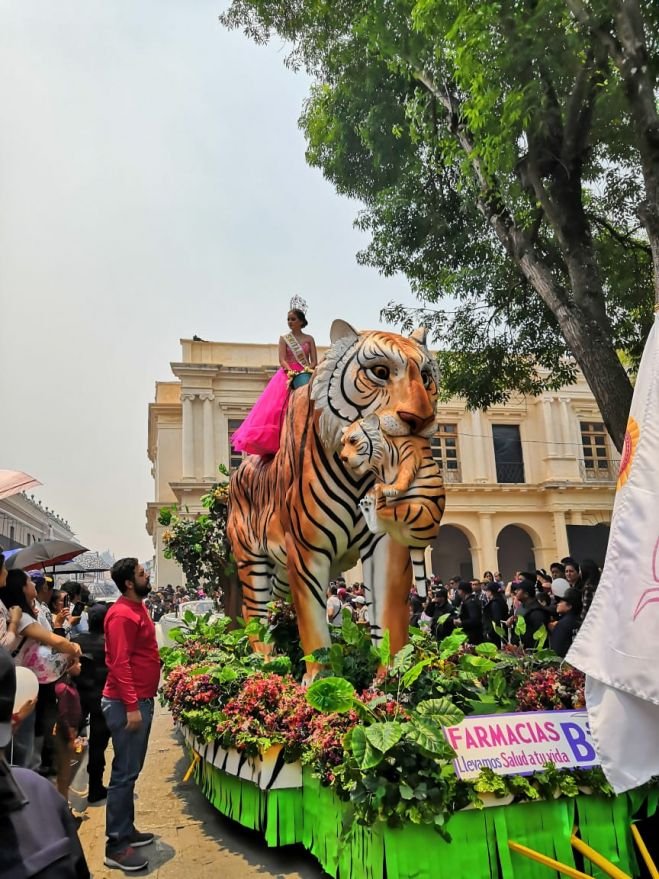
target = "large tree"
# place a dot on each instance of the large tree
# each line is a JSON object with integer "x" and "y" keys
{"x": 503, "y": 155}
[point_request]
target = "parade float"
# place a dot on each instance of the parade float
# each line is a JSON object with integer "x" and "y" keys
{"x": 380, "y": 749}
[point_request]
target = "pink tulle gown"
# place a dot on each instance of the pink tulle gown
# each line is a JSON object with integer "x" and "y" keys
{"x": 259, "y": 432}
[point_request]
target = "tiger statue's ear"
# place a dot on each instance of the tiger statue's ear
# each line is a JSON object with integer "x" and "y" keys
{"x": 420, "y": 335}
{"x": 341, "y": 329}
{"x": 371, "y": 422}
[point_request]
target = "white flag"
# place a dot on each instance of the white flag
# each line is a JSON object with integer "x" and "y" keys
{"x": 618, "y": 644}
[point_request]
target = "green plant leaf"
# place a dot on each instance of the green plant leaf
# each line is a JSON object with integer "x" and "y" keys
{"x": 500, "y": 632}
{"x": 403, "y": 659}
{"x": 350, "y": 631}
{"x": 385, "y": 649}
{"x": 366, "y": 756}
{"x": 540, "y": 636}
{"x": 477, "y": 664}
{"x": 413, "y": 674}
{"x": 440, "y": 711}
{"x": 486, "y": 649}
{"x": 451, "y": 644}
{"x": 336, "y": 659}
{"x": 520, "y": 625}
{"x": 384, "y": 736}
{"x": 331, "y": 694}
{"x": 427, "y": 735}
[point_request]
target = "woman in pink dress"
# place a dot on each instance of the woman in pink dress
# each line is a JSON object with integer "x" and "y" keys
{"x": 259, "y": 432}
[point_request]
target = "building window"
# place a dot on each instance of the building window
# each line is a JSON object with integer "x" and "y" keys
{"x": 594, "y": 443}
{"x": 235, "y": 458}
{"x": 508, "y": 453}
{"x": 12, "y": 532}
{"x": 445, "y": 451}
{"x": 29, "y": 539}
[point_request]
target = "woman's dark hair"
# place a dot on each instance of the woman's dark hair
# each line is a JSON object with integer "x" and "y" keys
{"x": 2, "y": 560}
{"x": 56, "y": 594}
{"x": 590, "y": 572}
{"x": 123, "y": 570}
{"x": 13, "y": 593}
{"x": 488, "y": 574}
{"x": 73, "y": 589}
{"x": 300, "y": 315}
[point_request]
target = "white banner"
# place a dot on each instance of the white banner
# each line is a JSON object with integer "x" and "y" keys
{"x": 522, "y": 742}
{"x": 617, "y": 644}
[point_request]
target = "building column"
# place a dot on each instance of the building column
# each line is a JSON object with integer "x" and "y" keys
{"x": 488, "y": 546}
{"x": 567, "y": 423}
{"x": 209, "y": 436}
{"x": 188, "y": 436}
{"x": 476, "y": 560}
{"x": 550, "y": 427}
{"x": 481, "y": 456}
{"x": 562, "y": 547}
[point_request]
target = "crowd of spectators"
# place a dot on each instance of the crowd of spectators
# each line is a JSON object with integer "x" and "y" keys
{"x": 553, "y": 605}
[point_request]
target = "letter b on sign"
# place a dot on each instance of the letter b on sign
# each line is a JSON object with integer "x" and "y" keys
{"x": 581, "y": 748}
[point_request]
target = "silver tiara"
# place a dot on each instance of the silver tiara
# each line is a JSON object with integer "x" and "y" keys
{"x": 298, "y": 304}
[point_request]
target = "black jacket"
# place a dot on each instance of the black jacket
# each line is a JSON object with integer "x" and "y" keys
{"x": 442, "y": 630}
{"x": 91, "y": 680}
{"x": 562, "y": 635}
{"x": 535, "y": 616}
{"x": 494, "y": 613}
{"x": 471, "y": 618}
{"x": 40, "y": 841}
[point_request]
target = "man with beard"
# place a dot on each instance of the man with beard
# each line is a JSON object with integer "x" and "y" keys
{"x": 131, "y": 656}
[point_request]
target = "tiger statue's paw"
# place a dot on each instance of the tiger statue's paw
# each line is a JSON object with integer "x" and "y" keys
{"x": 369, "y": 511}
{"x": 389, "y": 491}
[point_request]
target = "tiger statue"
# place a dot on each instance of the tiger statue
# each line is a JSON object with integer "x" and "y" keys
{"x": 294, "y": 519}
{"x": 408, "y": 499}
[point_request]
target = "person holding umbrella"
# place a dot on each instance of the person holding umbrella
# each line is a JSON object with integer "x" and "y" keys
{"x": 48, "y": 664}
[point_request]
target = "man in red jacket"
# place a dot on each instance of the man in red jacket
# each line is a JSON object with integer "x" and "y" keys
{"x": 131, "y": 655}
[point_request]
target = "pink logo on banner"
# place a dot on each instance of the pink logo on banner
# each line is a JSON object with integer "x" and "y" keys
{"x": 651, "y": 595}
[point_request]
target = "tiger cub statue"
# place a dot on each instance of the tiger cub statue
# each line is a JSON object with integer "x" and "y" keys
{"x": 408, "y": 499}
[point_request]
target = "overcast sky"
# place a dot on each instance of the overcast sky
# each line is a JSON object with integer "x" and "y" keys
{"x": 152, "y": 186}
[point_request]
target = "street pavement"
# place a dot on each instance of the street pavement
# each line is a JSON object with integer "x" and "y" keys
{"x": 193, "y": 840}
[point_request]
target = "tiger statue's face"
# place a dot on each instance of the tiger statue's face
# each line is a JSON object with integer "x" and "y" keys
{"x": 361, "y": 446}
{"x": 394, "y": 377}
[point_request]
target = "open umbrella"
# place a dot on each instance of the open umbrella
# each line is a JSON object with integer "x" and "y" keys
{"x": 15, "y": 481}
{"x": 48, "y": 552}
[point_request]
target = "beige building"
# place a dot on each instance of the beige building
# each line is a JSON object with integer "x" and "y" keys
{"x": 527, "y": 483}
{"x": 25, "y": 520}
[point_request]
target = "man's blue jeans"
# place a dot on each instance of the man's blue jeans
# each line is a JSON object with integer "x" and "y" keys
{"x": 129, "y": 753}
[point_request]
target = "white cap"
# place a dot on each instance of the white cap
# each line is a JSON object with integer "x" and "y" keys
{"x": 559, "y": 587}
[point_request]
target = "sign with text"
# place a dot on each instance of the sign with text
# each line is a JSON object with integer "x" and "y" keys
{"x": 521, "y": 743}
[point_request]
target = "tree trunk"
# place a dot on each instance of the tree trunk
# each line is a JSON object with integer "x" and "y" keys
{"x": 590, "y": 346}
{"x": 627, "y": 46}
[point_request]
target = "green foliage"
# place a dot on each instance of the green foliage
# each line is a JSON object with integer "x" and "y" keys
{"x": 491, "y": 147}
{"x": 199, "y": 544}
{"x": 331, "y": 695}
{"x": 351, "y": 656}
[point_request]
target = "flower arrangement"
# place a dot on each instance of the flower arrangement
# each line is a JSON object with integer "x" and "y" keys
{"x": 374, "y": 738}
{"x": 268, "y": 710}
{"x": 552, "y": 688}
{"x": 186, "y": 690}
{"x": 324, "y": 748}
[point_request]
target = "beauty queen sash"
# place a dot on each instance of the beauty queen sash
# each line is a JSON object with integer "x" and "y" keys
{"x": 297, "y": 349}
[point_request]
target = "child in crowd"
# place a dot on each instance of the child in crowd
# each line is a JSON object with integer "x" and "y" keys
{"x": 69, "y": 714}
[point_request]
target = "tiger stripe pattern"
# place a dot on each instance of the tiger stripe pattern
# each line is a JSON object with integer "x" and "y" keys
{"x": 408, "y": 498}
{"x": 294, "y": 519}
